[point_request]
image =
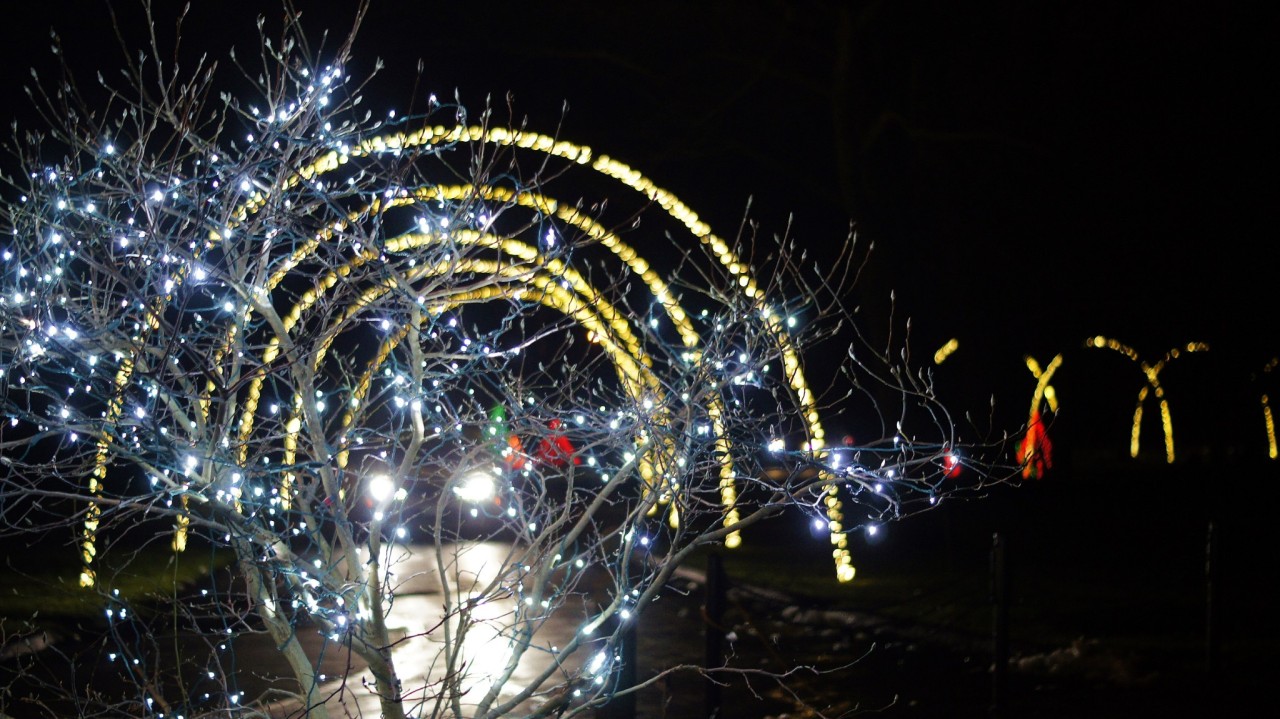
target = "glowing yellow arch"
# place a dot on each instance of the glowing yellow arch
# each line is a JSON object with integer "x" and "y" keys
{"x": 637, "y": 380}
{"x": 557, "y": 271}
{"x": 588, "y": 307}
{"x": 603, "y": 322}
{"x": 584, "y": 155}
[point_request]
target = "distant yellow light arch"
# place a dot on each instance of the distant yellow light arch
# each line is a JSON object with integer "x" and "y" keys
{"x": 1152, "y": 374}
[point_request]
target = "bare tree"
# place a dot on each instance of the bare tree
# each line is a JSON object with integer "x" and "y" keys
{"x": 281, "y": 327}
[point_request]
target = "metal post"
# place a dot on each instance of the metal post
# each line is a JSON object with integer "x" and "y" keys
{"x": 716, "y": 598}
{"x": 624, "y": 706}
{"x": 624, "y": 632}
{"x": 1000, "y": 628}
{"x": 1211, "y": 633}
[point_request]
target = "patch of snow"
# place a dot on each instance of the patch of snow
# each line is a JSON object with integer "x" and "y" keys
{"x": 1085, "y": 659}
{"x": 29, "y": 643}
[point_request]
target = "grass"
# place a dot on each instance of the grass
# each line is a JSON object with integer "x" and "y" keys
{"x": 1120, "y": 560}
{"x": 42, "y": 582}
{"x": 1129, "y": 569}
{"x": 924, "y": 593}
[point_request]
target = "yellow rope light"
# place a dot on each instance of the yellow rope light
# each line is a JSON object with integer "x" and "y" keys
{"x": 1044, "y": 391}
{"x": 1270, "y": 423}
{"x": 583, "y": 155}
{"x": 1267, "y": 418}
{"x": 599, "y": 317}
{"x": 946, "y": 351}
{"x": 678, "y": 210}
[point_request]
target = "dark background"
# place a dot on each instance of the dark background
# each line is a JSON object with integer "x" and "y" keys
{"x": 1030, "y": 174}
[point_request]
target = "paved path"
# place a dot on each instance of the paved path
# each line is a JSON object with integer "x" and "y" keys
{"x": 417, "y": 616}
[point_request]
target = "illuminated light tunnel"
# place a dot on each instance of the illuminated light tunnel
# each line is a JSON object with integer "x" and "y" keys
{"x": 521, "y": 271}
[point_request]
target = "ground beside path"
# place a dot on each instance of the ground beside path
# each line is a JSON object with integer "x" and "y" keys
{"x": 1109, "y": 614}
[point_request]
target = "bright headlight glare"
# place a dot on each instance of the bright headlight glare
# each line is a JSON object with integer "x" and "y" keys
{"x": 381, "y": 487}
{"x": 477, "y": 486}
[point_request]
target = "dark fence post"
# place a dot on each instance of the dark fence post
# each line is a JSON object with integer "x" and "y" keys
{"x": 716, "y": 599}
{"x": 624, "y": 706}
{"x": 626, "y": 636}
{"x": 1000, "y": 628}
{"x": 1211, "y": 629}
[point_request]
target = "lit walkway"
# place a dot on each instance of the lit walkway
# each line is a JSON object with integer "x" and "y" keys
{"x": 417, "y": 616}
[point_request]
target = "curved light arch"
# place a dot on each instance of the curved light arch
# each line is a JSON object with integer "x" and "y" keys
{"x": 557, "y": 286}
{"x": 522, "y": 251}
{"x": 609, "y": 167}
{"x": 598, "y": 317}
{"x": 1152, "y": 374}
{"x": 621, "y": 172}
{"x": 583, "y": 155}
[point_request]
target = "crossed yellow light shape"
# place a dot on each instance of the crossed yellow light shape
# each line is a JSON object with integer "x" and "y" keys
{"x": 530, "y": 276}
{"x": 1152, "y": 373}
{"x": 1044, "y": 393}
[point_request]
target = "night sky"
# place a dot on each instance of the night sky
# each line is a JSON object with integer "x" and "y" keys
{"x": 1030, "y": 174}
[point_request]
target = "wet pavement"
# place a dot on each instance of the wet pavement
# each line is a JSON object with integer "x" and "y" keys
{"x": 416, "y": 619}
{"x": 831, "y": 663}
